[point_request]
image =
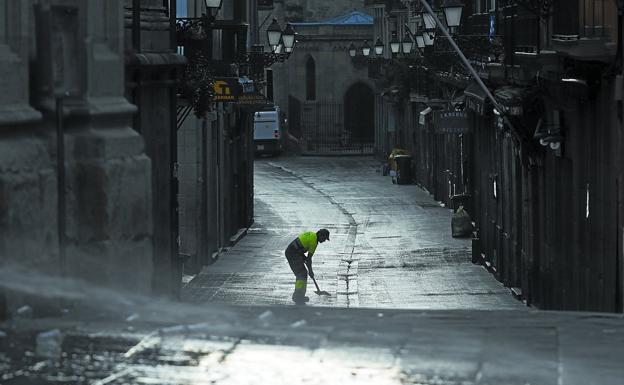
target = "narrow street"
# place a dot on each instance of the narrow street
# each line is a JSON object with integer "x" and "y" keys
{"x": 390, "y": 247}
{"x": 427, "y": 315}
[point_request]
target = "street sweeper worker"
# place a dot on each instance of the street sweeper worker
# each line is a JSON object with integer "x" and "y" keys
{"x": 296, "y": 256}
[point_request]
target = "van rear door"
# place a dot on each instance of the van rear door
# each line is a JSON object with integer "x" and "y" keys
{"x": 266, "y": 126}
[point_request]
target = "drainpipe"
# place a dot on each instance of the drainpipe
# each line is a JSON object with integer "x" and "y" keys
{"x": 178, "y": 264}
{"x": 136, "y": 25}
{"x": 60, "y": 166}
{"x": 619, "y": 83}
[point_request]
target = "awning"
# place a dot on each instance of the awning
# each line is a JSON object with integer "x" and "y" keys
{"x": 476, "y": 98}
{"x": 423, "y": 115}
{"x": 513, "y": 98}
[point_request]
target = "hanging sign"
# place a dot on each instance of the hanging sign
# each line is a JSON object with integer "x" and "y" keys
{"x": 226, "y": 89}
{"x": 251, "y": 99}
{"x": 451, "y": 122}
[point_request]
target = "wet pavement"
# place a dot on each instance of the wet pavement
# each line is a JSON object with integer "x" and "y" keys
{"x": 316, "y": 345}
{"x": 407, "y": 306}
{"x": 391, "y": 245}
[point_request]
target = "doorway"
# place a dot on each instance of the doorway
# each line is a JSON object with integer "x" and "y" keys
{"x": 359, "y": 115}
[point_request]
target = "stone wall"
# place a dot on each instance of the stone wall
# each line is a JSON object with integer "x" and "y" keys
{"x": 335, "y": 70}
{"x": 315, "y": 10}
{"x": 72, "y": 49}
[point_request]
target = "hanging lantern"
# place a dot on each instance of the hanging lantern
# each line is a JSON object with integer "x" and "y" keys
{"x": 429, "y": 38}
{"x": 453, "y": 12}
{"x": 428, "y": 20}
{"x": 395, "y": 44}
{"x": 274, "y": 33}
{"x": 366, "y": 48}
{"x": 407, "y": 44}
{"x": 279, "y": 48}
{"x": 352, "y": 50}
{"x": 420, "y": 41}
{"x": 379, "y": 47}
{"x": 288, "y": 36}
{"x": 215, "y": 4}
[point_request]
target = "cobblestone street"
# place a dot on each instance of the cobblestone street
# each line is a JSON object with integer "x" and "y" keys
{"x": 391, "y": 245}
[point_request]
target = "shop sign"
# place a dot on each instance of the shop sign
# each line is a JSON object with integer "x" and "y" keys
{"x": 451, "y": 122}
{"x": 252, "y": 99}
{"x": 226, "y": 89}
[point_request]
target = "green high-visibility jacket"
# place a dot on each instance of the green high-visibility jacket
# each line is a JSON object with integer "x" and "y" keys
{"x": 309, "y": 242}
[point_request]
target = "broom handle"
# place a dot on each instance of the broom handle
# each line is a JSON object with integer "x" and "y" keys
{"x": 313, "y": 279}
{"x": 316, "y": 284}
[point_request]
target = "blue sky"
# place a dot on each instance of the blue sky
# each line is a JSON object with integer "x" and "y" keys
{"x": 181, "y": 9}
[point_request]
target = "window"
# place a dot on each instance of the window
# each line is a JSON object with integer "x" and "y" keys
{"x": 477, "y": 6}
{"x": 310, "y": 79}
{"x": 483, "y": 6}
{"x": 598, "y": 18}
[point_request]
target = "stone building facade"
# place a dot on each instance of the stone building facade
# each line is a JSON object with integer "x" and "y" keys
{"x": 543, "y": 184}
{"x": 215, "y": 158}
{"x": 326, "y": 94}
{"x": 71, "y": 51}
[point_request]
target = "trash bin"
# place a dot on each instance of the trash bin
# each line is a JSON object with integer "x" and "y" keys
{"x": 462, "y": 200}
{"x": 404, "y": 169}
{"x": 395, "y": 152}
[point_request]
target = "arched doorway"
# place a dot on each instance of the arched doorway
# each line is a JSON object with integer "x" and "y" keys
{"x": 359, "y": 114}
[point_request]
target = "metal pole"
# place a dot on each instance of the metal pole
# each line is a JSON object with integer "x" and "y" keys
{"x": 173, "y": 9}
{"x": 446, "y": 33}
{"x": 60, "y": 165}
{"x": 136, "y": 25}
{"x": 255, "y": 30}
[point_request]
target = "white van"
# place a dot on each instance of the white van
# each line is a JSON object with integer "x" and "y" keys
{"x": 268, "y": 132}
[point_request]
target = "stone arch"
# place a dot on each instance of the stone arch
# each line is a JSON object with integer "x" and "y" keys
{"x": 359, "y": 113}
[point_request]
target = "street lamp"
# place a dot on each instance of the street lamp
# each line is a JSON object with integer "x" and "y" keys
{"x": 453, "y": 13}
{"x": 274, "y": 33}
{"x": 395, "y": 44}
{"x": 428, "y": 37}
{"x": 366, "y": 48}
{"x": 279, "y": 47}
{"x": 420, "y": 41}
{"x": 288, "y": 36}
{"x": 352, "y": 50}
{"x": 428, "y": 20}
{"x": 379, "y": 47}
{"x": 214, "y": 4}
{"x": 407, "y": 43}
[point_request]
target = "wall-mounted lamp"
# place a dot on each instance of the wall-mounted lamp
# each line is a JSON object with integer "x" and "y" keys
{"x": 366, "y": 48}
{"x": 274, "y": 33}
{"x": 395, "y": 44}
{"x": 549, "y": 134}
{"x": 352, "y": 50}
{"x": 407, "y": 44}
{"x": 453, "y": 13}
{"x": 379, "y": 47}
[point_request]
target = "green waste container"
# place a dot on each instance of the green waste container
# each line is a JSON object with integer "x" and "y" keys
{"x": 404, "y": 169}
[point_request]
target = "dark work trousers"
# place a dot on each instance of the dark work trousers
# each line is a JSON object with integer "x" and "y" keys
{"x": 296, "y": 260}
{"x": 296, "y": 257}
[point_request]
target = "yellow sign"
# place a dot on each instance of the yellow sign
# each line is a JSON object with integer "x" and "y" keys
{"x": 226, "y": 89}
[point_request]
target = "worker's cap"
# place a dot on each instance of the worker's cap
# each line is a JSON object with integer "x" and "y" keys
{"x": 324, "y": 233}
